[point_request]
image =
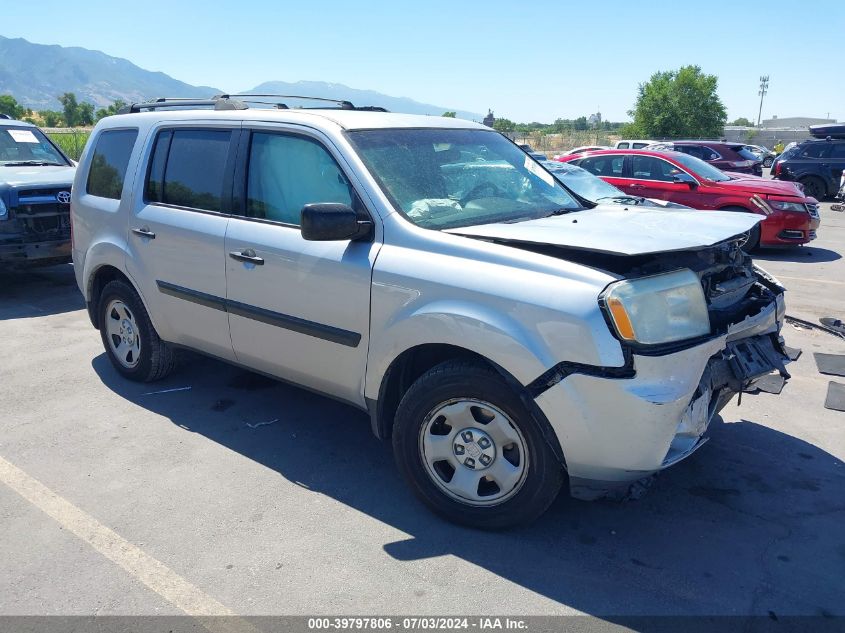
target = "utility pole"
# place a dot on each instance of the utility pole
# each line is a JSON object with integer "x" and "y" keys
{"x": 764, "y": 88}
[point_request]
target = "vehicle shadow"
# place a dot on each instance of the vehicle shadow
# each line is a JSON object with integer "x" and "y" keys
{"x": 800, "y": 255}
{"x": 38, "y": 292}
{"x": 751, "y": 524}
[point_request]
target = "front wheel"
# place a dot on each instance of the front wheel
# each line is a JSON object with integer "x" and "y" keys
{"x": 470, "y": 450}
{"x": 767, "y": 162}
{"x": 751, "y": 238}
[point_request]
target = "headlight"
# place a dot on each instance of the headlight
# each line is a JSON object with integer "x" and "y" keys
{"x": 779, "y": 205}
{"x": 660, "y": 309}
{"x": 4, "y": 212}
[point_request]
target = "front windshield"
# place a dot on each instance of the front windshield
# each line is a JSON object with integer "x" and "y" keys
{"x": 448, "y": 178}
{"x": 583, "y": 182}
{"x": 27, "y": 145}
{"x": 699, "y": 167}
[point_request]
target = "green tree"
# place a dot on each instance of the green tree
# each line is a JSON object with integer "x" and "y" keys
{"x": 51, "y": 118}
{"x": 504, "y": 125}
{"x": 9, "y": 105}
{"x": 580, "y": 123}
{"x": 742, "y": 121}
{"x": 70, "y": 107}
{"x": 449, "y": 114}
{"x": 678, "y": 103}
{"x": 114, "y": 108}
{"x": 85, "y": 114}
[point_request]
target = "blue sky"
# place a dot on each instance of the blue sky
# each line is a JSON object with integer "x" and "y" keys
{"x": 529, "y": 60}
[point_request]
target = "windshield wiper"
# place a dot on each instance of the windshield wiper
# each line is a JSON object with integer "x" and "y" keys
{"x": 634, "y": 199}
{"x": 32, "y": 163}
{"x": 561, "y": 211}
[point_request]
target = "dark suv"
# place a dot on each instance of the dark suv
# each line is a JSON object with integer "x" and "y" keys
{"x": 817, "y": 164}
{"x": 734, "y": 157}
{"x": 35, "y": 181}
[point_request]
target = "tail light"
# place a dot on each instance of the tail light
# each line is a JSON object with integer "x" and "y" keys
{"x": 777, "y": 169}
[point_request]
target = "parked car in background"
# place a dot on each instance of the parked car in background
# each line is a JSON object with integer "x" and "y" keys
{"x": 791, "y": 217}
{"x": 816, "y": 163}
{"x": 733, "y": 157}
{"x": 598, "y": 191}
{"x": 505, "y": 336}
{"x": 632, "y": 144}
{"x": 582, "y": 149}
{"x": 525, "y": 147}
{"x": 763, "y": 153}
{"x": 35, "y": 185}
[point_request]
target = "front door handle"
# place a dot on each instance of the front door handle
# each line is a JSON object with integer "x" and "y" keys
{"x": 144, "y": 231}
{"x": 248, "y": 256}
{"x": 636, "y": 186}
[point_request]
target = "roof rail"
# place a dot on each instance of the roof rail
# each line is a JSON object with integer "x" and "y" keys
{"x": 343, "y": 104}
{"x": 176, "y": 102}
{"x": 237, "y": 102}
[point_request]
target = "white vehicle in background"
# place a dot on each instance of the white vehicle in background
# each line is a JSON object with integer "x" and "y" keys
{"x": 507, "y": 334}
{"x": 582, "y": 149}
{"x": 633, "y": 144}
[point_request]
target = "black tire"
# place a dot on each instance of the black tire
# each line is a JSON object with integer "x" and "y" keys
{"x": 456, "y": 380}
{"x": 156, "y": 359}
{"x": 767, "y": 162}
{"x": 753, "y": 240}
{"x": 814, "y": 187}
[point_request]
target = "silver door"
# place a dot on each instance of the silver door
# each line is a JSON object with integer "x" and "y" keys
{"x": 297, "y": 309}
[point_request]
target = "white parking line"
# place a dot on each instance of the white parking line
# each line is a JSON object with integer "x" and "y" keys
{"x": 148, "y": 570}
{"x": 818, "y": 281}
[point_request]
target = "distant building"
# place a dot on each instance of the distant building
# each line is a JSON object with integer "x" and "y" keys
{"x": 594, "y": 120}
{"x": 489, "y": 120}
{"x": 793, "y": 122}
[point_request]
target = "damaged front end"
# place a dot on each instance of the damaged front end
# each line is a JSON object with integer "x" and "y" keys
{"x": 624, "y": 425}
{"x": 35, "y": 228}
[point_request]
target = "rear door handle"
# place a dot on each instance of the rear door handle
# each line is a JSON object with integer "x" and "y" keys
{"x": 144, "y": 231}
{"x": 248, "y": 256}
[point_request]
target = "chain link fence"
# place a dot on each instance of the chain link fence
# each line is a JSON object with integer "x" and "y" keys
{"x": 71, "y": 140}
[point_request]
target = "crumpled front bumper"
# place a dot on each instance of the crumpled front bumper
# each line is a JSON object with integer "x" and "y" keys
{"x": 615, "y": 431}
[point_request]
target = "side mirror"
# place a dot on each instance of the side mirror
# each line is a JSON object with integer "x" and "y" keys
{"x": 685, "y": 178}
{"x": 331, "y": 222}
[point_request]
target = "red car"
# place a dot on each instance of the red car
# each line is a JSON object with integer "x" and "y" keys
{"x": 791, "y": 217}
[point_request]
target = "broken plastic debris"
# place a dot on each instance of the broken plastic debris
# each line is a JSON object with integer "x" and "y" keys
{"x": 257, "y": 424}
{"x": 153, "y": 393}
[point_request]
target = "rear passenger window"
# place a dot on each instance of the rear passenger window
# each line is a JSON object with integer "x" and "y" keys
{"x": 816, "y": 150}
{"x": 604, "y": 165}
{"x": 288, "y": 172}
{"x": 622, "y": 146}
{"x": 188, "y": 168}
{"x": 109, "y": 163}
{"x": 838, "y": 150}
{"x": 694, "y": 150}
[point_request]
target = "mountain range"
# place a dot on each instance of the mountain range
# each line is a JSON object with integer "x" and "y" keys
{"x": 36, "y": 74}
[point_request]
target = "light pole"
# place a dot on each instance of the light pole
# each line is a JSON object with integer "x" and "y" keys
{"x": 764, "y": 88}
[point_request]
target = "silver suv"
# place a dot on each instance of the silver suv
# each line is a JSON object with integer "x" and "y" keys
{"x": 508, "y": 335}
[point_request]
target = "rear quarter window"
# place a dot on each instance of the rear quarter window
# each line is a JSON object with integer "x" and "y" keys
{"x": 109, "y": 163}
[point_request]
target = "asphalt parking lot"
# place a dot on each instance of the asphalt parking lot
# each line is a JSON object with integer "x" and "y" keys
{"x": 259, "y": 498}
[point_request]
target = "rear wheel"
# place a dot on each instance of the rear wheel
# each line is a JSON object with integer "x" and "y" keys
{"x": 467, "y": 446}
{"x": 132, "y": 344}
{"x": 767, "y": 162}
{"x": 814, "y": 187}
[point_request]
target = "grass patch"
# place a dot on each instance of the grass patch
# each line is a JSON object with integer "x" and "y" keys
{"x": 72, "y": 142}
